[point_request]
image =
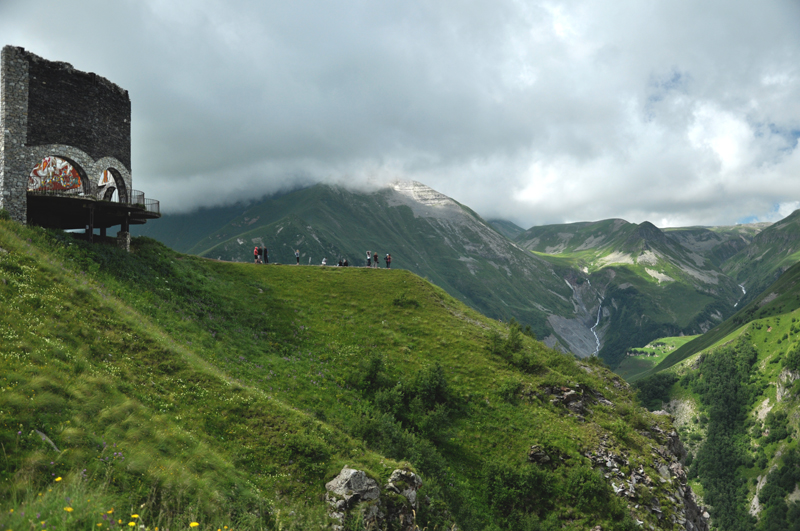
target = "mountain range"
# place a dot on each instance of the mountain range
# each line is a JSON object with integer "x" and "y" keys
{"x": 589, "y": 288}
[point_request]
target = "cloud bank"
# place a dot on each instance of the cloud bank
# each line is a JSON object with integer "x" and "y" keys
{"x": 538, "y": 112}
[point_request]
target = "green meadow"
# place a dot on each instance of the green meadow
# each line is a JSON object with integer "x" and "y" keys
{"x": 639, "y": 360}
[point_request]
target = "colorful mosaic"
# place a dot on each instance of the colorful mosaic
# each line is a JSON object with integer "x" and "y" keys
{"x": 54, "y": 173}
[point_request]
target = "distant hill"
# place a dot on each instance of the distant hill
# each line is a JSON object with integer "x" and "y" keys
{"x": 652, "y": 284}
{"x": 591, "y": 287}
{"x": 771, "y": 252}
{"x": 506, "y": 228}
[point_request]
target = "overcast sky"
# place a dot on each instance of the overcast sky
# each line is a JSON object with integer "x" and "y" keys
{"x": 674, "y": 111}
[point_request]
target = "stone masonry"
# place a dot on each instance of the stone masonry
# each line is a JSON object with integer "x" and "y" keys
{"x": 50, "y": 109}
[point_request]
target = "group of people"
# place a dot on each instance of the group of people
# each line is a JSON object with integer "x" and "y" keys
{"x": 372, "y": 260}
{"x": 261, "y": 256}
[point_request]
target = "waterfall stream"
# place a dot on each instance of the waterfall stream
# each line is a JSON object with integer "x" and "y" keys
{"x": 596, "y": 337}
{"x": 744, "y": 292}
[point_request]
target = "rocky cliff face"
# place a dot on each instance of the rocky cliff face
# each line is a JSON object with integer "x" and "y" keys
{"x": 657, "y": 492}
{"x": 656, "y": 489}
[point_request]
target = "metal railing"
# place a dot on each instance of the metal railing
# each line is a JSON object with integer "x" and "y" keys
{"x": 135, "y": 198}
{"x": 152, "y": 205}
{"x": 74, "y": 192}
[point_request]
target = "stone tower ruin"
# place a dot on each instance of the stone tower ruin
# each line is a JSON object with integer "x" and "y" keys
{"x": 65, "y": 148}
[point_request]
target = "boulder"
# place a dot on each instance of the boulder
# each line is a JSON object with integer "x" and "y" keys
{"x": 352, "y": 490}
{"x": 537, "y": 455}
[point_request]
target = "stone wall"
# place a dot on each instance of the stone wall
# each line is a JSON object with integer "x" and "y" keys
{"x": 50, "y": 109}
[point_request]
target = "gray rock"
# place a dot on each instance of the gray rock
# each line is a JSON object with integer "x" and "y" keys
{"x": 537, "y": 455}
{"x": 353, "y": 486}
{"x": 405, "y": 483}
{"x": 352, "y": 490}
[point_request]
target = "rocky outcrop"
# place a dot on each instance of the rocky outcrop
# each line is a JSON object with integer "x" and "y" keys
{"x": 786, "y": 380}
{"x": 354, "y": 494}
{"x": 576, "y": 398}
{"x": 657, "y": 492}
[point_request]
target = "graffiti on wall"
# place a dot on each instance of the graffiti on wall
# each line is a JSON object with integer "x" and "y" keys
{"x": 54, "y": 174}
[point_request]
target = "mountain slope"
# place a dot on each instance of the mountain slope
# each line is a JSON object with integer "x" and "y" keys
{"x": 771, "y": 252}
{"x": 717, "y": 244}
{"x": 425, "y": 232}
{"x": 780, "y": 297}
{"x": 167, "y": 389}
{"x": 507, "y": 228}
{"x": 734, "y": 393}
{"x": 652, "y": 286}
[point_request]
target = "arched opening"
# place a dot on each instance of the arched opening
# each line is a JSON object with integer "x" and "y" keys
{"x": 57, "y": 175}
{"x": 111, "y": 187}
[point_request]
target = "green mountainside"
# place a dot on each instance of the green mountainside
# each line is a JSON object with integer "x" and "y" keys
{"x": 734, "y": 393}
{"x": 771, "y": 252}
{"x": 640, "y": 360}
{"x": 424, "y": 231}
{"x": 716, "y": 244}
{"x": 650, "y": 284}
{"x": 507, "y": 228}
{"x": 161, "y": 390}
{"x": 592, "y": 287}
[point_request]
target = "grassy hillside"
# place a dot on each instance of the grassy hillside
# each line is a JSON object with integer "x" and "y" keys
{"x": 639, "y": 360}
{"x": 448, "y": 244}
{"x": 780, "y": 298}
{"x": 160, "y": 389}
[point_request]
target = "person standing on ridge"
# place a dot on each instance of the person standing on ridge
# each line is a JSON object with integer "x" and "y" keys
{"x": 388, "y": 261}
{"x": 297, "y": 255}
{"x": 266, "y": 255}
{"x": 255, "y": 255}
{"x": 375, "y": 259}
{"x": 369, "y": 258}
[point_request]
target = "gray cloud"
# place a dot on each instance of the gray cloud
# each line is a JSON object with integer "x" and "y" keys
{"x": 538, "y": 112}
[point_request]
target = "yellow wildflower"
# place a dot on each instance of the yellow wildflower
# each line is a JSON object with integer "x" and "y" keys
{"x": 134, "y": 516}
{"x": 110, "y": 511}
{"x": 58, "y": 478}
{"x": 194, "y": 524}
{"x": 68, "y": 509}
{"x": 100, "y": 524}
{"x": 131, "y": 524}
